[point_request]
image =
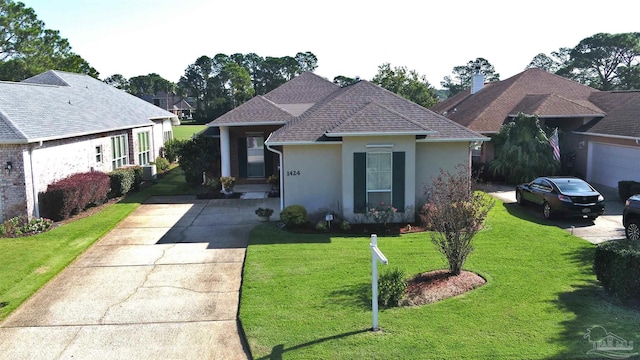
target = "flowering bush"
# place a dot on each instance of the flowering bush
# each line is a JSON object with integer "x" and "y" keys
{"x": 20, "y": 226}
{"x": 381, "y": 213}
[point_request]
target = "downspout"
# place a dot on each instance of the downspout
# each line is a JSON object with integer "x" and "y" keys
{"x": 281, "y": 171}
{"x": 36, "y": 204}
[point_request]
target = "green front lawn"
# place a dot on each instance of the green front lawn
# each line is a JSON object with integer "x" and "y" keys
{"x": 308, "y": 297}
{"x": 184, "y": 132}
{"x": 27, "y": 263}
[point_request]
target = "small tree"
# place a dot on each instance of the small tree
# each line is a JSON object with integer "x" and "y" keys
{"x": 455, "y": 213}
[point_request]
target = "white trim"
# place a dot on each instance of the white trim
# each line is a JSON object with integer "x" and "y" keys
{"x": 607, "y": 135}
{"x": 572, "y": 116}
{"x": 281, "y": 178}
{"x": 379, "y": 145}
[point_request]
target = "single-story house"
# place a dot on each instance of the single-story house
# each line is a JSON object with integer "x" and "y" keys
{"x": 601, "y": 128}
{"x": 341, "y": 148}
{"x": 56, "y": 124}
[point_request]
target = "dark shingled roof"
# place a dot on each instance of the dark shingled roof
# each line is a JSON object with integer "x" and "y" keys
{"x": 257, "y": 110}
{"x": 308, "y": 88}
{"x": 487, "y": 109}
{"x": 347, "y": 110}
{"x": 551, "y": 105}
{"x": 623, "y": 114}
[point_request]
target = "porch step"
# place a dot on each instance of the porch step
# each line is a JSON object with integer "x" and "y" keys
{"x": 254, "y": 195}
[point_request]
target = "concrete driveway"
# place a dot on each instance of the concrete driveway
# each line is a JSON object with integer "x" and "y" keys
{"x": 604, "y": 228}
{"x": 164, "y": 284}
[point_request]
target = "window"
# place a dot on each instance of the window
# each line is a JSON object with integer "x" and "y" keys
{"x": 144, "y": 150}
{"x": 379, "y": 176}
{"x": 167, "y": 135}
{"x": 99, "y": 154}
{"x": 119, "y": 151}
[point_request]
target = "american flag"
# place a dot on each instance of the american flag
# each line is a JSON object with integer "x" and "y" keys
{"x": 553, "y": 140}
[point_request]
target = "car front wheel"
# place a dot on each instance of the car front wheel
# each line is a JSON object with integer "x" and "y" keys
{"x": 632, "y": 230}
{"x": 519, "y": 197}
{"x": 546, "y": 211}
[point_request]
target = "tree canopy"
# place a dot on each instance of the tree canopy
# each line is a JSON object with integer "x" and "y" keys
{"x": 27, "y": 48}
{"x": 463, "y": 74}
{"x": 523, "y": 151}
{"x": 602, "y": 61}
{"x": 406, "y": 83}
{"x": 221, "y": 83}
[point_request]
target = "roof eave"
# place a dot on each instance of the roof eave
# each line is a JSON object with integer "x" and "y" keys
{"x": 563, "y": 116}
{"x": 454, "y": 139}
{"x": 607, "y": 135}
{"x": 257, "y": 123}
{"x": 381, "y": 133}
{"x": 281, "y": 143}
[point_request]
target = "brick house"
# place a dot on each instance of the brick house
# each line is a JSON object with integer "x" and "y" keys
{"x": 56, "y": 124}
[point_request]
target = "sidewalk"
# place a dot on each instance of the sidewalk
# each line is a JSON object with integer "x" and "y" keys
{"x": 164, "y": 284}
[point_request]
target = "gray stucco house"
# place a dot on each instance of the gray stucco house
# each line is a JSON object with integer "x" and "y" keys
{"x": 341, "y": 148}
{"x": 56, "y": 124}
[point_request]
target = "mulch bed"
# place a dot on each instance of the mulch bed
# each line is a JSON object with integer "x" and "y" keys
{"x": 432, "y": 286}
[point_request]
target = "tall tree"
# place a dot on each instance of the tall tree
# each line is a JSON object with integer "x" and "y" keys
{"x": 28, "y": 48}
{"x": 343, "y": 80}
{"x": 119, "y": 82}
{"x": 150, "y": 84}
{"x": 523, "y": 151}
{"x": 603, "y": 55}
{"x": 464, "y": 73}
{"x": 552, "y": 63}
{"x": 406, "y": 83}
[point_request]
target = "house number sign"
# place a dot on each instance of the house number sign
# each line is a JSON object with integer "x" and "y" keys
{"x": 293, "y": 172}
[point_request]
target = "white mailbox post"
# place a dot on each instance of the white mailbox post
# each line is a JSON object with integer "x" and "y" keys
{"x": 376, "y": 255}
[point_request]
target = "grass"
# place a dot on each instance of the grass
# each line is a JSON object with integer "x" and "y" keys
{"x": 308, "y": 296}
{"x": 184, "y": 132}
{"x": 27, "y": 263}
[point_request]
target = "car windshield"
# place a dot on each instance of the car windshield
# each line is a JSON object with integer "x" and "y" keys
{"x": 573, "y": 186}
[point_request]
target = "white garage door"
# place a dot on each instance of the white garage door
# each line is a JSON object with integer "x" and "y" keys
{"x": 609, "y": 164}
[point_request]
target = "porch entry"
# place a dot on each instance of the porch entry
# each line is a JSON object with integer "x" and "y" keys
{"x": 253, "y": 160}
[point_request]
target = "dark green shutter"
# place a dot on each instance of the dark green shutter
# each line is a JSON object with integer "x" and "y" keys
{"x": 242, "y": 157}
{"x": 397, "y": 185}
{"x": 359, "y": 182}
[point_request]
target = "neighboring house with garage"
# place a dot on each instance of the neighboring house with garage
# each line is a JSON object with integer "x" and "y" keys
{"x": 601, "y": 128}
{"x": 341, "y": 149}
{"x": 56, "y": 124}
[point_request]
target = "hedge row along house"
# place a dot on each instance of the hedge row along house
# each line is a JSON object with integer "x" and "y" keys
{"x": 341, "y": 148}
{"x": 56, "y": 124}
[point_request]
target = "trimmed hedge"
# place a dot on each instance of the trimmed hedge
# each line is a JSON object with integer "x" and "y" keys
{"x": 73, "y": 194}
{"x": 121, "y": 181}
{"x": 617, "y": 267}
{"x": 294, "y": 216}
{"x": 627, "y": 188}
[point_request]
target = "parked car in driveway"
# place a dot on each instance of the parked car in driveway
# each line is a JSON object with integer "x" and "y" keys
{"x": 562, "y": 195}
{"x": 631, "y": 217}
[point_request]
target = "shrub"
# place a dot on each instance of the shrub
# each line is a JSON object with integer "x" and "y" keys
{"x": 456, "y": 213}
{"x": 171, "y": 150}
{"x": 273, "y": 181}
{"x": 617, "y": 267}
{"x": 73, "y": 194}
{"x": 627, "y": 189}
{"x": 391, "y": 286}
{"x": 321, "y": 225}
{"x": 345, "y": 225}
{"x": 213, "y": 184}
{"x": 199, "y": 155}
{"x": 294, "y": 216}
{"x": 162, "y": 164}
{"x": 381, "y": 213}
{"x": 20, "y": 226}
{"x": 121, "y": 181}
{"x": 138, "y": 175}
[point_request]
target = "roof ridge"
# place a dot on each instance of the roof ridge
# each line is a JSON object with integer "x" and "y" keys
{"x": 274, "y": 104}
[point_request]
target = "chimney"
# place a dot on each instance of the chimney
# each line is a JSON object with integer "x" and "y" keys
{"x": 477, "y": 81}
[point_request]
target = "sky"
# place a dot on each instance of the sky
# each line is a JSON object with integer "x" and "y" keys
{"x": 349, "y": 37}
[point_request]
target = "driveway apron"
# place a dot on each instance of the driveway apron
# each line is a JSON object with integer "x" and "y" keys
{"x": 163, "y": 284}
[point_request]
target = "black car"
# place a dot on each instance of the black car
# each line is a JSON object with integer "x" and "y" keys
{"x": 631, "y": 218}
{"x": 562, "y": 195}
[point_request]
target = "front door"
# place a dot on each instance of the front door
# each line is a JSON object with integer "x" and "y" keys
{"x": 255, "y": 156}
